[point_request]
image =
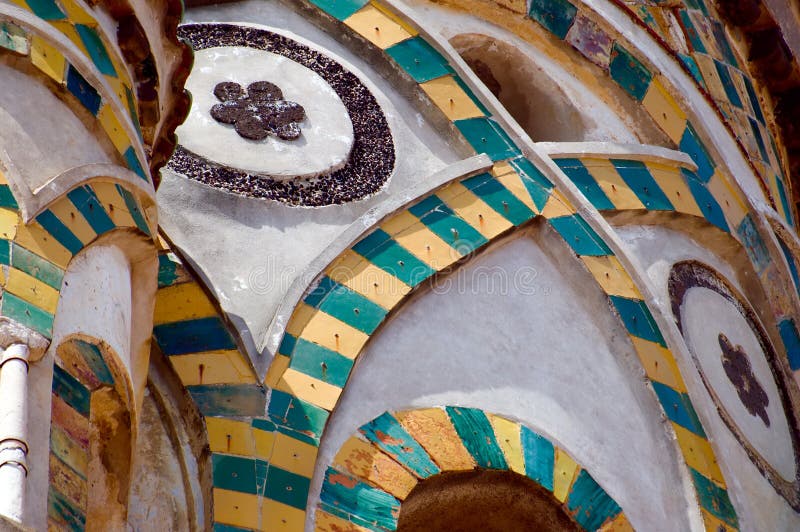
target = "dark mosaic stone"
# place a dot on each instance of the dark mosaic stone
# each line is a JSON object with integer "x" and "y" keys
{"x": 372, "y": 156}
{"x": 737, "y": 367}
{"x": 258, "y": 112}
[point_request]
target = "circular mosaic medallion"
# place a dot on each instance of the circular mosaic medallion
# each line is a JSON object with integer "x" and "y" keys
{"x": 739, "y": 369}
{"x": 273, "y": 118}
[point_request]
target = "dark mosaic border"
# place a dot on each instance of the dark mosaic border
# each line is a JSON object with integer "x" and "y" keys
{"x": 372, "y": 156}
{"x": 692, "y": 274}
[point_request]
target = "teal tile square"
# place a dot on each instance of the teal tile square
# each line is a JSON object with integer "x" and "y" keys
{"x": 499, "y": 198}
{"x": 629, "y": 72}
{"x": 585, "y": 182}
{"x": 641, "y": 181}
{"x": 287, "y": 487}
{"x": 235, "y": 473}
{"x": 694, "y": 148}
{"x": 690, "y": 31}
{"x": 46, "y": 9}
{"x": 705, "y": 200}
{"x": 555, "y": 15}
{"x": 714, "y": 499}
{"x": 725, "y": 75}
{"x": 580, "y": 236}
{"x": 590, "y": 504}
{"x": 637, "y": 319}
{"x": 340, "y": 9}
{"x": 486, "y": 136}
{"x": 320, "y": 363}
{"x": 97, "y": 50}
{"x": 419, "y": 59}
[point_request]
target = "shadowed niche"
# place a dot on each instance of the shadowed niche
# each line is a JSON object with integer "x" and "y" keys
{"x": 485, "y": 500}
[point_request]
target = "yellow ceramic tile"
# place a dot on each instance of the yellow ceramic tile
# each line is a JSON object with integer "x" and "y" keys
{"x": 47, "y": 59}
{"x": 473, "y": 210}
{"x": 732, "y": 206}
{"x": 9, "y": 220}
{"x": 279, "y": 516}
{"x": 612, "y": 184}
{"x": 330, "y": 523}
{"x": 674, "y": 185}
{"x": 367, "y": 462}
{"x": 327, "y": 331}
{"x": 76, "y": 14}
{"x": 32, "y": 290}
{"x": 618, "y": 524}
{"x": 34, "y": 238}
{"x": 423, "y": 243}
{"x": 698, "y": 454}
{"x": 111, "y": 125}
{"x": 264, "y": 441}
{"x": 665, "y": 110}
{"x": 113, "y": 203}
{"x": 451, "y": 98}
{"x": 230, "y": 436}
{"x": 518, "y": 6}
{"x": 714, "y": 524}
{"x": 309, "y": 389}
{"x": 557, "y": 205}
{"x": 294, "y": 455}
{"x": 508, "y": 437}
{"x": 710, "y": 75}
{"x": 66, "y": 28}
{"x": 378, "y": 28}
{"x": 181, "y": 302}
{"x": 432, "y": 428}
{"x": 611, "y": 276}
{"x": 510, "y": 179}
{"x": 3, "y": 180}
{"x": 358, "y": 274}
{"x": 565, "y": 470}
{"x": 72, "y": 218}
{"x": 236, "y": 508}
{"x": 300, "y": 317}
{"x": 659, "y": 363}
{"x": 276, "y": 369}
{"x": 212, "y": 367}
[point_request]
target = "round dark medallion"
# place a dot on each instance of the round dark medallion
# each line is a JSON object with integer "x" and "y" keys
{"x": 259, "y": 113}
{"x": 739, "y": 368}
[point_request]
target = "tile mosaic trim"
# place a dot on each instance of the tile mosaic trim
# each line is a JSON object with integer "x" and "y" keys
{"x": 81, "y": 27}
{"x": 50, "y": 61}
{"x": 346, "y": 306}
{"x": 704, "y": 52}
{"x": 371, "y": 159}
{"x": 371, "y": 476}
{"x": 615, "y": 184}
{"x": 80, "y": 368}
{"x": 34, "y": 256}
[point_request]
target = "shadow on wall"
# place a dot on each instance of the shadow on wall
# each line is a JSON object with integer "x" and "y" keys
{"x": 532, "y": 97}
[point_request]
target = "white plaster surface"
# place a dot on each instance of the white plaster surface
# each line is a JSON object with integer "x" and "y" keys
{"x": 757, "y": 504}
{"x": 326, "y": 133}
{"x": 706, "y": 314}
{"x": 524, "y": 332}
{"x": 158, "y": 494}
{"x": 96, "y": 300}
{"x": 40, "y": 136}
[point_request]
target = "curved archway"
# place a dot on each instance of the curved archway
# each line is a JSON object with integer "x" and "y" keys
{"x": 375, "y": 471}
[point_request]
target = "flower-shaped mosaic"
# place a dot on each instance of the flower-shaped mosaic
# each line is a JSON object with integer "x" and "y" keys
{"x": 740, "y": 373}
{"x": 257, "y": 112}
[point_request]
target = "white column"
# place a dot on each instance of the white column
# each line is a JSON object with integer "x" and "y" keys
{"x": 13, "y": 430}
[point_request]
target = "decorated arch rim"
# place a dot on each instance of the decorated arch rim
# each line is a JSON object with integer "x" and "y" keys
{"x": 371, "y": 158}
{"x": 376, "y": 469}
{"x": 692, "y": 274}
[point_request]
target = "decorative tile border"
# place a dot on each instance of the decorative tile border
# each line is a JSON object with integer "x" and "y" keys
{"x": 80, "y": 369}
{"x": 612, "y": 183}
{"x": 34, "y": 256}
{"x": 51, "y": 62}
{"x": 374, "y": 471}
{"x": 69, "y": 18}
{"x": 706, "y": 53}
